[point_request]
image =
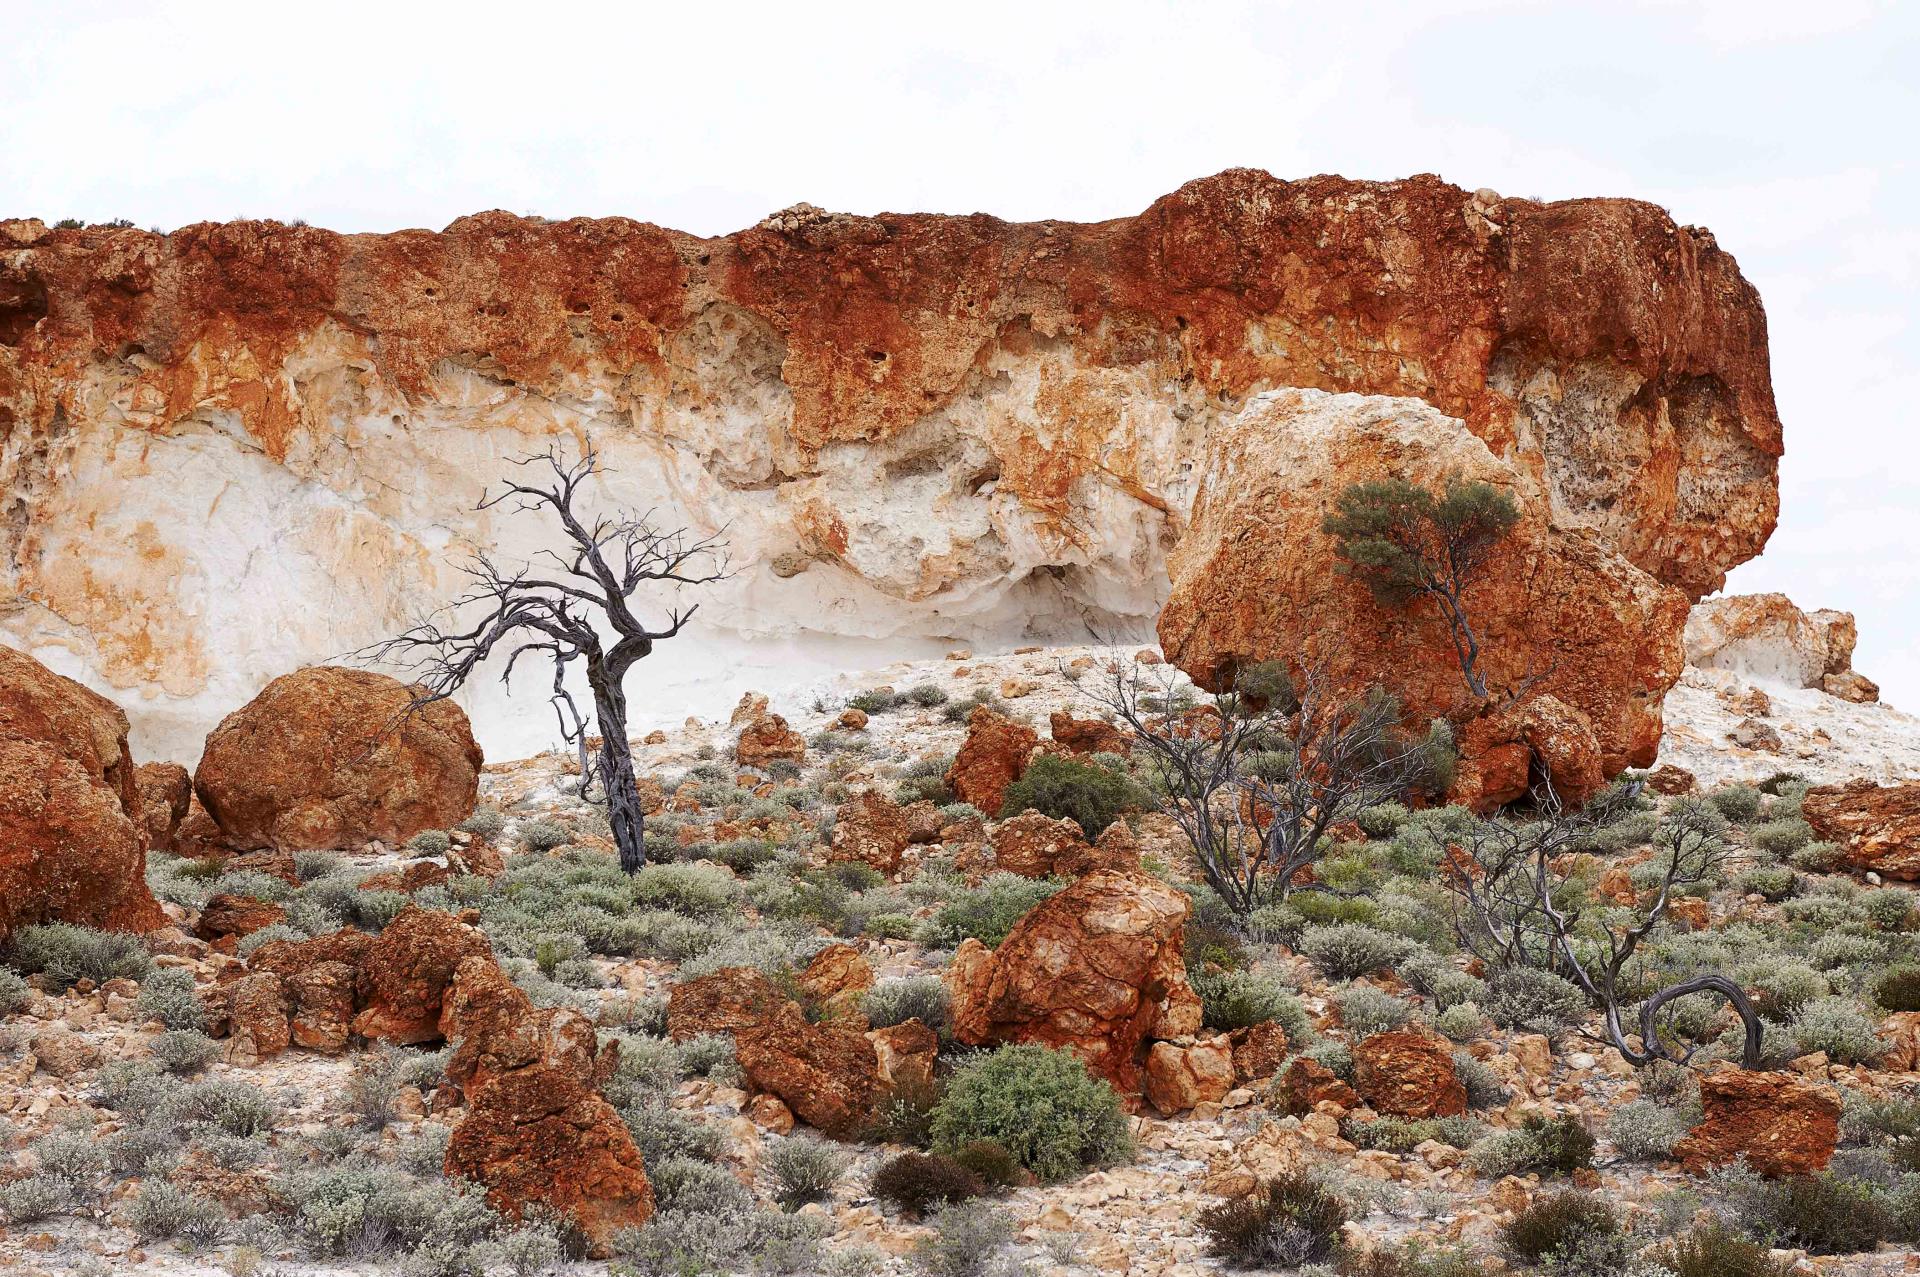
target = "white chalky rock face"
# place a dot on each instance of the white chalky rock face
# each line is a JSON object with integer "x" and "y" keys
{"x": 236, "y": 449}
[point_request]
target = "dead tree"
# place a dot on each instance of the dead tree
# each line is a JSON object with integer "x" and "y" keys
{"x": 1256, "y": 777}
{"x": 558, "y": 606}
{"x": 1501, "y": 875}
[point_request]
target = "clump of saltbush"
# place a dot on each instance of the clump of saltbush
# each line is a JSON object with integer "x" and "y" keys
{"x": 804, "y": 1168}
{"x": 1286, "y": 1222}
{"x": 1366, "y": 1010}
{"x": 987, "y": 913}
{"x": 1239, "y": 999}
{"x": 1535, "y": 1001}
{"x": 1564, "y": 1225}
{"x": 897, "y": 1000}
{"x": 1087, "y": 793}
{"x": 1041, "y": 1105}
{"x": 65, "y": 954}
{"x": 1348, "y": 950}
{"x": 1738, "y": 803}
{"x": 1553, "y": 1144}
{"x": 1643, "y": 1131}
{"x": 168, "y": 995}
{"x": 916, "y": 1182}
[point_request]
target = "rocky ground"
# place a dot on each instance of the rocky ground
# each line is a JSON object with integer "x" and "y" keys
{"x": 1137, "y": 1217}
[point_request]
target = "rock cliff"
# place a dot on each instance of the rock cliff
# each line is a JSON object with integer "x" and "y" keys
{"x": 237, "y": 448}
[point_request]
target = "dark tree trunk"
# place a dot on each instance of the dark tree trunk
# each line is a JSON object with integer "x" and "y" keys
{"x": 616, "y": 768}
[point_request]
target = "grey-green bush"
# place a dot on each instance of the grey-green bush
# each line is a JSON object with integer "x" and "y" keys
{"x": 1041, "y": 1105}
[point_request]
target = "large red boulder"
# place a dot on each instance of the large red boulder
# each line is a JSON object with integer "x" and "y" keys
{"x": 828, "y": 1074}
{"x": 1408, "y": 1074}
{"x": 1879, "y": 825}
{"x": 728, "y": 999}
{"x": 166, "y": 794}
{"x": 1096, "y": 969}
{"x": 1558, "y": 610}
{"x": 767, "y": 739}
{"x": 330, "y": 757}
{"x": 993, "y": 756}
{"x": 73, "y": 832}
{"x": 1782, "y": 1123}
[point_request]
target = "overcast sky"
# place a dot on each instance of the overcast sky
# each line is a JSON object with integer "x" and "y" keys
{"x": 1786, "y": 128}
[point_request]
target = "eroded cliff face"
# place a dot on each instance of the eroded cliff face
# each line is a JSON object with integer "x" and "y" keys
{"x": 242, "y": 447}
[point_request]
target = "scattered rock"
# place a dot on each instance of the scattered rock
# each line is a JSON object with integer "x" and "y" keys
{"x": 1306, "y": 1084}
{"x": 230, "y": 918}
{"x": 1751, "y": 733}
{"x": 1179, "y": 1077}
{"x": 1089, "y": 735}
{"x": 405, "y": 970}
{"x": 166, "y": 793}
{"x": 828, "y": 1074}
{"x": 768, "y": 739}
{"x": 1670, "y": 780}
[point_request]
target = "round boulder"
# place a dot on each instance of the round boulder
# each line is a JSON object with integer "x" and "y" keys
{"x": 328, "y": 757}
{"x": 73, "y": 843}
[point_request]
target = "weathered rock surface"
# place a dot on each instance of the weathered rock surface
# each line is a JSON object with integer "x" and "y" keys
{"x": 537, "y": 1131}
{"x": 1879, "y": 825}
{"x": 404, "y": 973}
{"x": 767, "y": 739}
{"x": 1257, "y": 578}
{"x": 869, "y": 829}
{"x": 1765, "y": 637}
{"x": 189, "y": 402}
{"x": 330, "y": 757}
{"x": 1095, "y": 969}
{"x": 729, "y": 999}
{"x": 73, "y": 831}
{"x": 1408, "y": 1074}
{"x": 166, "y": 793}
{"x": 828, "y": 1074}
{"x": 1179, "y": 1077}
{"x": 1781, "y": 1123}
{"x": 1088, "y": 735}
{"x": 993, "y": 756}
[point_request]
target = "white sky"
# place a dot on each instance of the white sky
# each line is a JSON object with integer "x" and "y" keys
{"x": 1788, "y": 128}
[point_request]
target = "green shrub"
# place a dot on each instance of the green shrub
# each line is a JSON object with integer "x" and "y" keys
{"x": 1284, "y": 1223}
{"x": 662, "y": 1133}
{"x": 1558, "y": 1224}
{"x": 1039, "y": 1104}
{"x": 184, "y": 1050}
{"x": 1898, "y": 989}
{"x": 1780, "y": 837}
{"x": 1819, "y": 857}
{"x": 1838, "y": 1026}
{"x": 681, "y": 1184}
{"x": 877, "y": 700}
{"x": 676, "y": 1243}
{"x": 1461, "y": 1022}
{"x": 1823, "y": 1214}
{"x": 804, "y": 1168}
{"x": 238, "y": 1108}
{"x": 1382, "y": 820}
{"x": 1556, "y": 1144}
{"x": 1484, "y": 1088}
{"x": 693, "y": 891}
{"x": 967, "y": 1238}
{"x": 1773, "y": 882}
{"x": 1782, "y": 988}
{"x": 15, "y": 992}
{"x": 899, "y": 999}
{"x": 168, "y": 995}
{"x": 1738, "y": 803}
{"x": 1643, "y": 1131}
{"x": 987, "y": 913}
{"x": 430, "y": 842}
{"x": 66, "y": 954}
{"x": 1239, "y": 999}
{"x": 1061, "y": 787}
{"x": 34, "y": 1198}
{"x": 543, "y": 835}
{"x": 1715, "y": 1251}
{"x": 1536, "y": 1001}
{"x": 1366, "y": 1010}
{"x": 904, "y": 1115}
{"x": 990, "y": 1162}
{"x": 916, "y": 1182}
{"x": 486, "y": 822}
{"x": 1348, "y": 950}
{"x": 163, "y": 1211}
{"x": 1890, "y": 908}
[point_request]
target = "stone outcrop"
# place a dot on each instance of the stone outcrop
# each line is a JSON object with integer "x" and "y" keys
{"x": 1783, "y": 1124}
{"x": 537, "y": 1133}
{"x": 230, "y": 918}
{"x": 1032, "y": 397}
{"x": 729, "y": 999}
{"x": 1765, "y": 637}
{"x": 834, "y": 981}
{"x": 1307, "y": 1083}
{"x": 329, "y": 757}
{"x": 73, "y": 827}
{"x": 993, "y": 756}
{"x": 1560, "y": 609}
{"x": 1088, "y": 735}
{"x": 767, "y": 739}
{"x": 1879, "y": 825}
{"x": 828, "y": 1074}
{"x": 1407, "y": 1073}
{"x": 1096, "y": 969}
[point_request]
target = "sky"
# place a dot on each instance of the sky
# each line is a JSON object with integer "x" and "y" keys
{"x": 1779, "y": 126}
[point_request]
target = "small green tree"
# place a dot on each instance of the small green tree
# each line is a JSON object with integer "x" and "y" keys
{"x": 1407, "y": 544}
